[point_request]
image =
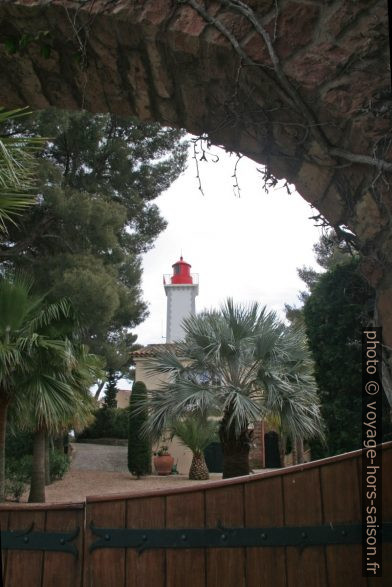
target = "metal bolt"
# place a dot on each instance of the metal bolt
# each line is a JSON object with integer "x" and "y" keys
{"x": 224, "y": 536}
{"x": 264, "y": 536}
{"x": 344, "y": 533}
{"x": 107, "y": 536}
{"x": 183, "y": 536}
{"x": 304, "y": 535}
{"x": 26, "y": 539}
{"x": 62, "y": 541}
{"x": 144, "y": 537}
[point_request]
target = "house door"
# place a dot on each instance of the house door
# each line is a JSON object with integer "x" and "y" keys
{"x": 271, "y": 445}
{"x": 214, "y": 457}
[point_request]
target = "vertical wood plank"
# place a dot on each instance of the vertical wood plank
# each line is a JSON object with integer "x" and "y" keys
{"x": 264, "y": 508}
{"x": 3, "y": 527}
{"x": 60, "y": 568}
{"x": 24, "y": 567}
{"x": 302, "y": 507}
{"x": 385, "y": 580}
{"x": 104, "y": 566}
{"x": 342, "y": 504}
{"x": 225, "y": 566}
{"x": 147, "y": 568}
{"x": 185, "y": 566}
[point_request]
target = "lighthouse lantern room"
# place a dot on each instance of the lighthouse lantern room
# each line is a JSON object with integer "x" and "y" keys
{"x": 181, "y": 289}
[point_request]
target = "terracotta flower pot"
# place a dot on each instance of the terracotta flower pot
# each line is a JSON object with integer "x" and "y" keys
{"x": 163, "y": 464}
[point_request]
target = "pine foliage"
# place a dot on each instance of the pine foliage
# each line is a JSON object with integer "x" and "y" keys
{"x": 95, "y": 216}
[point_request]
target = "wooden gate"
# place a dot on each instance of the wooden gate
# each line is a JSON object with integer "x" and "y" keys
{"x": 31, "y": 524}
{"x": 275, "y": 529}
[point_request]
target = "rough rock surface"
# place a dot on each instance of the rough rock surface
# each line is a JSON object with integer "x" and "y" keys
{"x": 161, "y": 60}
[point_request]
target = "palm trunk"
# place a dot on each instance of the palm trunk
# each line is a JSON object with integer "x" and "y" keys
{"x": 3, "y": 427}
{"x": 37, "y": 488}
{"x": 198, "y": 470}
{"x": 235, "y": 449}
{"x": 47, "y": 460}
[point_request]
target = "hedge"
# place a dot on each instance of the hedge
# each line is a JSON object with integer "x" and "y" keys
{"x": 109, "y": 423}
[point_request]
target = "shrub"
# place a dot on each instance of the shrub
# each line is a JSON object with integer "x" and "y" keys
{"x": 19, "y": 468}
{"x": 18, "y": 445}
{"x": 18, "y": 475}
{"x": 139, "y": 450}
{"x": 14, "y": 487}
{"x": 121, "y": 423}
{"x": 109, "y": 423}
{"x": 59, "y": 464}
{"x": 18, "y": 471}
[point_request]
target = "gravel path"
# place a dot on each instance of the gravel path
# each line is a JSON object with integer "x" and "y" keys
{"x": 98, "y": 469}
{"x": 99, "y": 457}
{"x": 77, "y": 484}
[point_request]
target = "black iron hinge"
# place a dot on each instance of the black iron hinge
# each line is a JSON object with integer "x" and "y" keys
{"x": 221, "y": 537}
{"x": 29, "y": 540}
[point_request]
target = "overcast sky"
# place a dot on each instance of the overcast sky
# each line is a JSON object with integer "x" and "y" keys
{"x": 246, "y": 247}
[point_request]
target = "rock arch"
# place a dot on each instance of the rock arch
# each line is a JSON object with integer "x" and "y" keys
{"x": 314, "y": 107}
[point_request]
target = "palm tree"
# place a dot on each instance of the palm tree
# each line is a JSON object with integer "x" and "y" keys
{"x": 22, "y": 318}
{"x": 196, "y": 433}
{"x": 240, "y": 364}
{"x": 54, "y": 397}
{"x": 18, "y": 169}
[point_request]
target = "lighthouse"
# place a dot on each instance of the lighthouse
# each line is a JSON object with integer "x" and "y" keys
{"x": 181, "y": 289}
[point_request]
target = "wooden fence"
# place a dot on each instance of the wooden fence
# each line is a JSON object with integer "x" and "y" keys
{"x": 321, "y": 493}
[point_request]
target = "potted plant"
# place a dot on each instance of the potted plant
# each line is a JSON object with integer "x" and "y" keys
{"x": 163, "y": 461}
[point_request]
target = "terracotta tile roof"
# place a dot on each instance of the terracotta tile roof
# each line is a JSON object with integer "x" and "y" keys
{"x": 152, "y": 349}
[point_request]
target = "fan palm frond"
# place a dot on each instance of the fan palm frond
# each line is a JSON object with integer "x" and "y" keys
{"x": 18, "y": 169}
{"x": 241, "y": 362}
{"x": 195, "y": 433}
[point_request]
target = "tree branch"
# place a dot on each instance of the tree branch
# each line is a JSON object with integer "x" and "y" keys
{"x": 290, "y": 94}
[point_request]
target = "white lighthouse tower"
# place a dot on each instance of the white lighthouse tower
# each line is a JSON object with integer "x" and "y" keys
{"x": 181, "y": 290}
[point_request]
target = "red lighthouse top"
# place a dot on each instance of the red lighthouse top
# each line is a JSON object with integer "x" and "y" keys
{"x": 181, "y": 272}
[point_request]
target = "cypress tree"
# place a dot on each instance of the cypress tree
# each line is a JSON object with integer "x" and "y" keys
{"x": 110, "y": 391}
{"x": 139, "y": 449}
{"x": 338, "y": 307}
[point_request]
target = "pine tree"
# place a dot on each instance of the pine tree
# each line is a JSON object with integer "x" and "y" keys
{"x": 94, "y": 218}
{"x": 111, "y": 391}
{"x": 139, "y": 448}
